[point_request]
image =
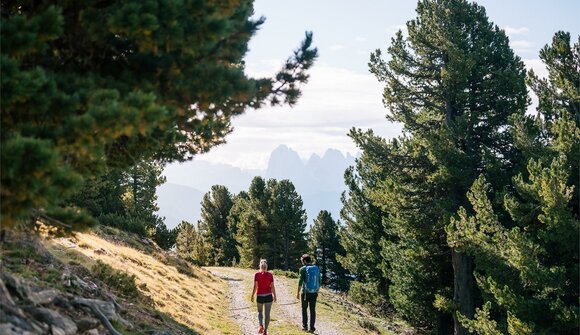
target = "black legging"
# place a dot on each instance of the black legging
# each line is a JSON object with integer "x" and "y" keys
{"x": 309, "y": 300}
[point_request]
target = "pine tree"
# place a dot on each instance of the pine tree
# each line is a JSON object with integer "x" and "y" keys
{"x": 324, "y": 242}
{"x": 269, "y": 221}
{"x": 141, "y": 184}
{"x": 251, "y": 235}
{"x": 250, "y": 217}
{"x": 189, "y": 244}
{"x": 89, "y": 86}
{"x": 214, "y": 227}
{"x": 286, "y": 228}
{"x": 127, "y": 200}
{"x": 454, "y": 83}
{"x": 362, "y": 233}
{"x": 527, "y": 270}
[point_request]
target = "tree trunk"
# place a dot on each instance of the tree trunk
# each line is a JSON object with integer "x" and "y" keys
{"x": 464, "y": 287}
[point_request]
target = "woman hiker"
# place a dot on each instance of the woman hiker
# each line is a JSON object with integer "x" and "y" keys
{"x": 266, "y": 294}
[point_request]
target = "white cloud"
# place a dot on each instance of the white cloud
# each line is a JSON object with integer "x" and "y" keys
{"x": 360, "y": 39}
{"x": 515, "y": 30}
{"x": 336, "y": 47}
{"x": 333, "y": 101}
{"x": 521, "y": 45}
{"x": 538, "y": 66}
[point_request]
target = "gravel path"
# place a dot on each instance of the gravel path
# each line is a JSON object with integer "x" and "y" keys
{"x": 241, "y": 310}
{"x": 286, "y": 308}
{"x": 293, "y": 312}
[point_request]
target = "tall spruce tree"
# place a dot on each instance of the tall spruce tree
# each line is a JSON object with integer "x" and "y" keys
{"x": 324, "y": 243}
{"x": 363, "y": 232}
{"x": 250, "y": 217}
{"x": 189, "y": 244}
{"x": 140, "y": 197}
{"x": 91, "y": 85}
{"x": 251, "y": 236}
{"x": 286, "y": 228}
{"x": 527, "y": 269}
{"x": 454, "y": 83}
{"x": 214, "y": 227}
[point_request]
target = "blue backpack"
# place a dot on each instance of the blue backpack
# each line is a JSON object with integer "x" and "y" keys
{"x": 312, "y": 282}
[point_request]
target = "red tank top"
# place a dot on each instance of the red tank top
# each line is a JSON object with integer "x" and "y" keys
{"x": 264, "y": 280}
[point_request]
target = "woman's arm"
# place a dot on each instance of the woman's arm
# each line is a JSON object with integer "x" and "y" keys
{"x": 254, "y": 290}
{"x": 273, "y": 290}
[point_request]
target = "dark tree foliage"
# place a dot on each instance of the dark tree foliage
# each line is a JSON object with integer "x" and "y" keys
{"x": 270, "y": 223}
{"x": 362, "y": 232}
{"x": 528, "y": 271}
{"x": 454, "y": 84}
{"x": 251, "y": 236}
{"x": 286, "y": 226}
{"x": 127, "y": 200}
{"x": 92, "y": 85}
{"x": 214, "y": 228}
{"x": 324, "y": 243}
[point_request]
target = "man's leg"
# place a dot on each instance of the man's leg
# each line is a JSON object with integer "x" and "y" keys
{"x": 268, "y": 307}
{"x": 312, "y": 303}
{"x": 304, "y": 314}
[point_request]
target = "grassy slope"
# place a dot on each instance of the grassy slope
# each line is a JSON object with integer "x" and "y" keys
{"x": 191, "y": 295}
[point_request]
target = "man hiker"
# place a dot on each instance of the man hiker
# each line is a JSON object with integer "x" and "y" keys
{"x": 309, "y": 284}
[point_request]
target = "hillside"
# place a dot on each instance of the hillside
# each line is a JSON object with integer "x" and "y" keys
{"x": 55, "y": 285}
{"x": 151, "y": 291}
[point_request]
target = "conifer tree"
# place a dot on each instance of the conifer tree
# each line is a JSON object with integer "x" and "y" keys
{"x": 362, "y": 232}
{"x": 91, "y": 85}
{"x": 286, "y": 228}
{"x": 528, "y": 270}
{"x": 454, "y": 83}
{"x": 324, "y": 243}
{"x": 140, "y": 199}
{"x": 251, "y": 235}
{"x": 190, "y": 245}
{"x": 270, "y": 223}
{"x": 250, "y": 217}
{"x": 214, "y": 227}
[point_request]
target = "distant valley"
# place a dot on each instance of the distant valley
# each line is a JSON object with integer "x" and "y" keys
{"x": 319, "y": 181}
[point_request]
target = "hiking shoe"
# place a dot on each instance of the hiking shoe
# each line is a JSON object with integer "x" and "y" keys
{"x": 304, "y": 329}
{"x": 261, "y": 330}
{"x": 265, "y": 332}
{"x": 311, "y": 331}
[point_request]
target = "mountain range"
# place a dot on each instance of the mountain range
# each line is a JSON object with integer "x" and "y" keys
{"x": 319, "y": 180}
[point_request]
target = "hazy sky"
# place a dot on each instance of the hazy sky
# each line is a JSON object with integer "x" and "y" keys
{"x": 341, "y": 93}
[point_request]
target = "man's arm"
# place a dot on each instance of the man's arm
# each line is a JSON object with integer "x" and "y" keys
{"x": 302, "y": 276}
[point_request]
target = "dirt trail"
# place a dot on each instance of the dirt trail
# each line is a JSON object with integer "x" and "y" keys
{"x": 287, "y": 308}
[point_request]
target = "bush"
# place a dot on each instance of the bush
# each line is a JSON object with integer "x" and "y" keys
{"x": 123, "y": 222}
{"x": 368, "y": 295}
{"x": 119, "y": 281}
{"x": 288, "y": 274}
{"x": 366, "y": 324}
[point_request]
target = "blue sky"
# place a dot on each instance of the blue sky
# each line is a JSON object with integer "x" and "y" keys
{"x": 341, "y": 93}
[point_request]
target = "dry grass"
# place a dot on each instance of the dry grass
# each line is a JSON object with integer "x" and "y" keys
{"x": 196, "y": 301}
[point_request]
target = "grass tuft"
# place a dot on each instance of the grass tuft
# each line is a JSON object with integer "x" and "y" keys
{"x": 119, "y": 281}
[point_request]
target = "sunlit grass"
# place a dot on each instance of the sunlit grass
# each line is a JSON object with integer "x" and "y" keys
{"x": 196, "y": 301}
